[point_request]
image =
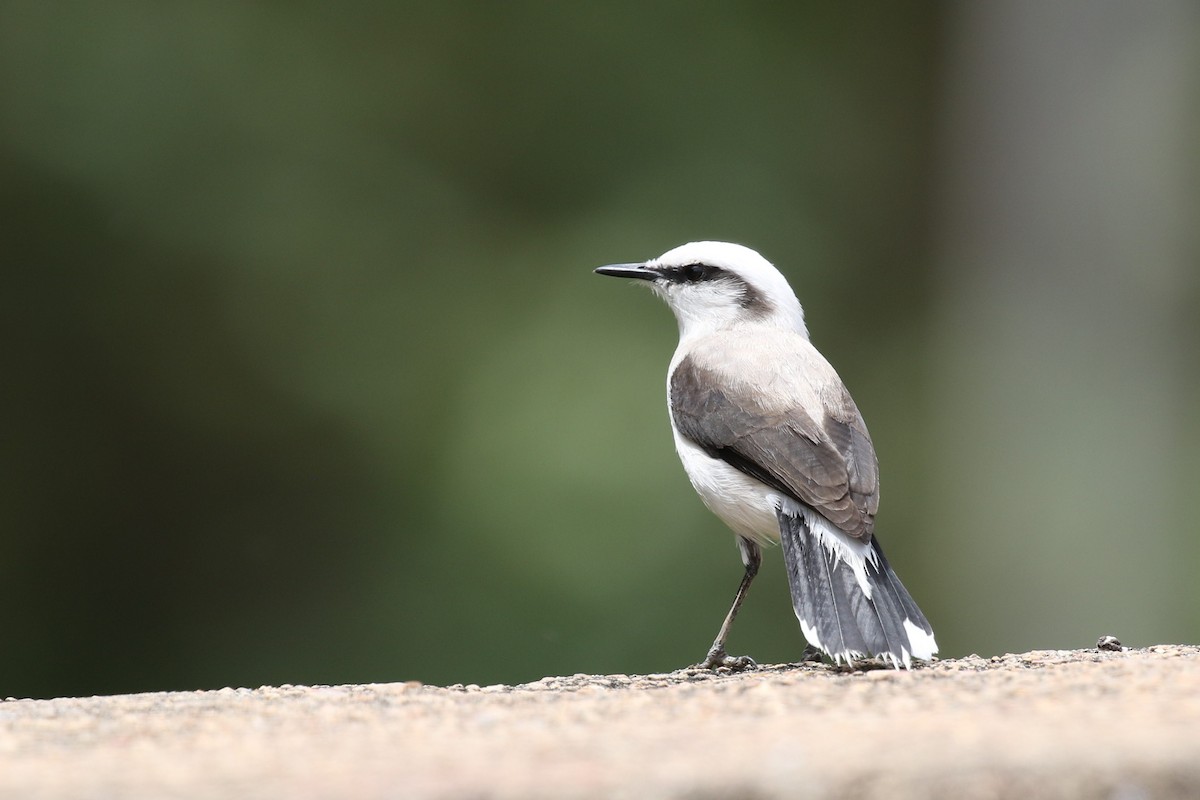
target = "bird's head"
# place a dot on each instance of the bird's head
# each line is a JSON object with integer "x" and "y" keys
{"x": 712, "y": 286}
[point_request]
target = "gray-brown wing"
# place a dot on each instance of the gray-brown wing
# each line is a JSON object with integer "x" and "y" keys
{"x": 827, "y": 464}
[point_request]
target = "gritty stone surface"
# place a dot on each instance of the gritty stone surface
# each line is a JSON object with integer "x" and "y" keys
{"x": 1092, "y": 723}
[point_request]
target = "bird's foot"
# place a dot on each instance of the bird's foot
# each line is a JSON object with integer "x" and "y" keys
{"x": 717, "y": 658}
{"x": 812, "y": 654}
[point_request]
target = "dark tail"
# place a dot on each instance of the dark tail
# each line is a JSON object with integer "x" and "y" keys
{"x": 837, "y": 615}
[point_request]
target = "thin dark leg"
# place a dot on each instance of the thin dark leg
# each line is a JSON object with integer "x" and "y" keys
{"x": 717, "y": 657}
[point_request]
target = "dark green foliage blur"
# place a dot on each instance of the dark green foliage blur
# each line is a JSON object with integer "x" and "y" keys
{"x": 305, "y": 377}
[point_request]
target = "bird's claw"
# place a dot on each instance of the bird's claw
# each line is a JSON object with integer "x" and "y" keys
{"x": 812, "y": 654}
{"x": 717, "y": 658}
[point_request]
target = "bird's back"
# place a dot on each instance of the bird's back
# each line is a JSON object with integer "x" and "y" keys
{"x": 773, "y": 367}
{"x": 767, "y": 403}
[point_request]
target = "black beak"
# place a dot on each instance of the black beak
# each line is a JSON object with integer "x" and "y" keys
{"x": 636, "y": 271}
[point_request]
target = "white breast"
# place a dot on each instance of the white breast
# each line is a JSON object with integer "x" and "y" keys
{"x": 781, "y": 369}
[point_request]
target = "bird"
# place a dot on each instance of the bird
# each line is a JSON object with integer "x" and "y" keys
{"x": 775, "y": 446}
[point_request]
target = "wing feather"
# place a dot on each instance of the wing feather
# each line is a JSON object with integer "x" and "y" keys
{"x": 828, "y": 464}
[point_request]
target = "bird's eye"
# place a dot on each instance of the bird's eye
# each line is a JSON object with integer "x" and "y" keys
{"x": 694, "y": 272}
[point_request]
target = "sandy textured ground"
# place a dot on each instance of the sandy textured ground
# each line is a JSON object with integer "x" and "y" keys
{"x": 1120, "y": 725}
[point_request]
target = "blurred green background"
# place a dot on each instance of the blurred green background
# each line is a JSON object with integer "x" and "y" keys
{"x": 306, "y": 377}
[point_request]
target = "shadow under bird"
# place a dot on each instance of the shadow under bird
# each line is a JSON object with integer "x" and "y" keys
{"x": 775, "y": 446}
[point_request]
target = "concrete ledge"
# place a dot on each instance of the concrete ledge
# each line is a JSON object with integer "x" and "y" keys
{"x": 1120, "y": 725}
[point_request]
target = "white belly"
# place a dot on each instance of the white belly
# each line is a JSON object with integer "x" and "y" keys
{"x": 748, "y": 506}
{"x": 744, "y": 504}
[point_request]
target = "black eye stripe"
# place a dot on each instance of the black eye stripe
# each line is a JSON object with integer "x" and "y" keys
{"x": 749, "y": 298}
{"x": 694, "y": 273}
